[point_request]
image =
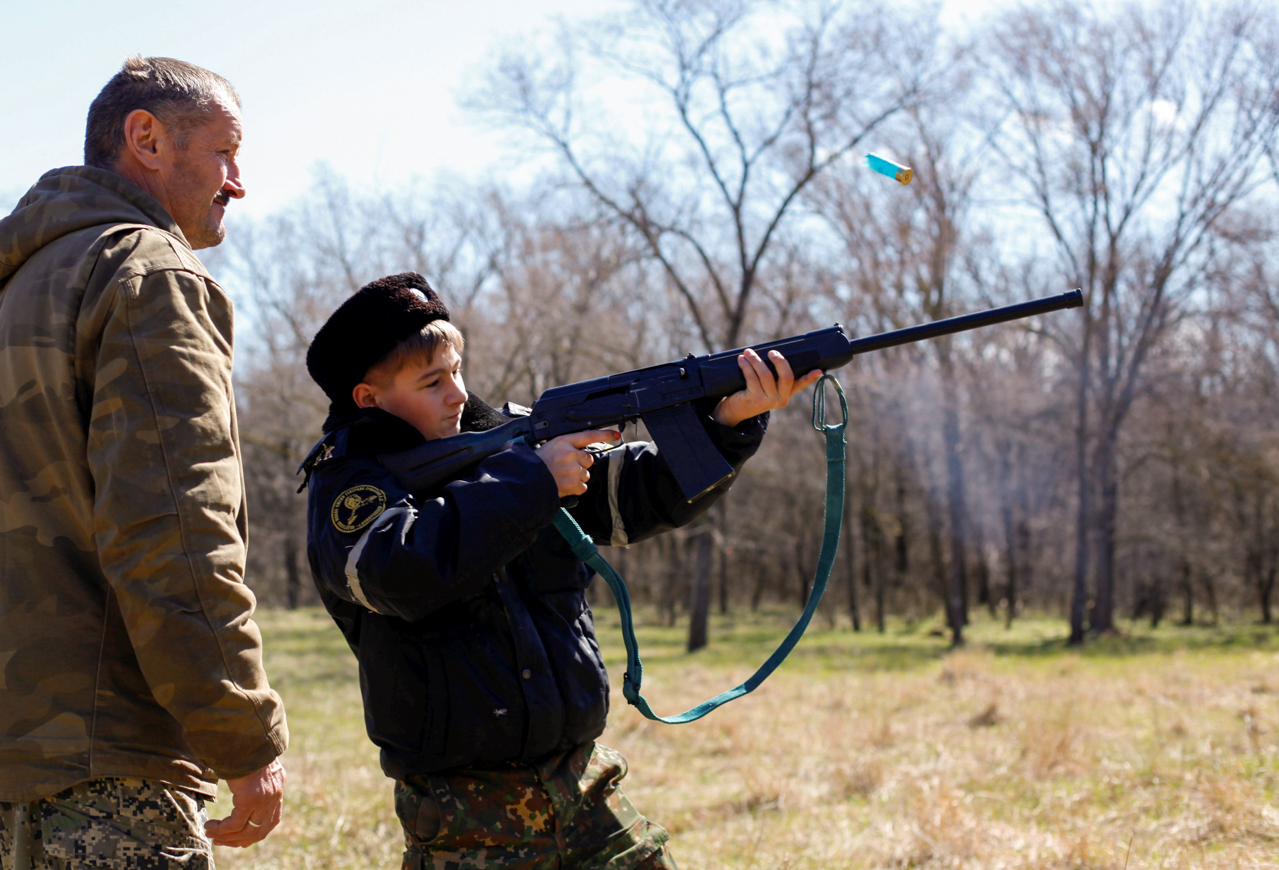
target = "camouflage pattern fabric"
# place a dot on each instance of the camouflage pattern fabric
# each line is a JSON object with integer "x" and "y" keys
{"x": 565, "y": 812}
{"x": 126, "y": 643}
{"x": 123, "y": 824}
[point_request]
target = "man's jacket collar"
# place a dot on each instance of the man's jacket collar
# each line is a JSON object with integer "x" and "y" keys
{"x": 71, "y": 199}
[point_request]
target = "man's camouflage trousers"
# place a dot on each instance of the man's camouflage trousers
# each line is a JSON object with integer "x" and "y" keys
{"x": 565, "y": 813}
{"x": 120, "y": 824}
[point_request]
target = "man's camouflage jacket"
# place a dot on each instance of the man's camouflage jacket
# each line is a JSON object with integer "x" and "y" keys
{"x": 126, "y": 643}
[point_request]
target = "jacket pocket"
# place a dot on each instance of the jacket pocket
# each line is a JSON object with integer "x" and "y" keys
{"x": 418, "y": 810}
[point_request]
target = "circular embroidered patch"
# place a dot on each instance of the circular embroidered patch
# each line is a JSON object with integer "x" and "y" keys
{"x": 357, "y": 507}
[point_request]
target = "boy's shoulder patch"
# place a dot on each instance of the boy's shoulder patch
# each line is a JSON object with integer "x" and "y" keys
{"x": 356, "y": 507}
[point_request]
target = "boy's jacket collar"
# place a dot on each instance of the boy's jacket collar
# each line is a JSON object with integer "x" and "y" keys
{"x": 369, "y": 431}
{"x": 477, "y": 416}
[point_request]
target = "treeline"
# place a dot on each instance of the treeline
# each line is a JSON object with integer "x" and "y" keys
{"x": 691, "y": 179}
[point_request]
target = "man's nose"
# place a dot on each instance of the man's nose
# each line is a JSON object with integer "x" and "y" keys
{"x": 233, "y": 186}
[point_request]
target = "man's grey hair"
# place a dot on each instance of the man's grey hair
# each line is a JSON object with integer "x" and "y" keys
{"x": 181, "y": 95}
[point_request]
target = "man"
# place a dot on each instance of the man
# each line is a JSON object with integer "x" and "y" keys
{"x": 130, "y": 669}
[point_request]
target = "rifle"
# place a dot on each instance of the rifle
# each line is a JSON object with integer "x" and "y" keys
{"x": 663, "y": 396}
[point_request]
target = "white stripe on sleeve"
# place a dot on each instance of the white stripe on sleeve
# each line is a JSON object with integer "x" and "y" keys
{"x": 353, "y": 559}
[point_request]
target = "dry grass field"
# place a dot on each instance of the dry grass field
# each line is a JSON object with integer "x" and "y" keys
{"x": 1152, "y": 750}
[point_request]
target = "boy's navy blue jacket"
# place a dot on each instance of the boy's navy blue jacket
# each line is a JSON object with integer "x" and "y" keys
{"x": 466, "y": 609}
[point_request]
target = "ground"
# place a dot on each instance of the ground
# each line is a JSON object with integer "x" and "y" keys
{"x": 1148, "y": 750}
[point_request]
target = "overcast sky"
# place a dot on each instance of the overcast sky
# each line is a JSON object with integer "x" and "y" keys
{"x": 367, "y": 88}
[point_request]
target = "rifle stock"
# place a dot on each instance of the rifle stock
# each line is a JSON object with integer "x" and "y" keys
{"x": 662, "y": 397}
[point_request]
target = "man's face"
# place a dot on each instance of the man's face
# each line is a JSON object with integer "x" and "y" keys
{"x": 202, "y": 178}
{"x": 429, "y": 396}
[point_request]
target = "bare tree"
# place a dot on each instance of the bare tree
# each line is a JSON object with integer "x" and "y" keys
{"x": 906, "y": 253}
{"x": 1132, "y": 133}
{"x": 1128, "y": 152}
{"x": 747, "y": 103}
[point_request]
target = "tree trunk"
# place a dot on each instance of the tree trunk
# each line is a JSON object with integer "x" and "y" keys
{"x": 723, "y": 581}
{"x": 901, "y": 551}
{"x": 703, "y": 582}
{"x": 1157, "y": 602}
{"x": 1083, "y": 517}
{"x": 700, "y": 602}
{"x": 981, "y": 565}
{"x": 1102, "y": 618}
{"x": 1179, "y": 516}
{"x": 1083, "y": 521}
{"x": 1188, "y": 588}
{"x": 940, "y": 577}
{"x": 1265, "y": 590}
{"x": 1210, "y": 588}
{"x": 804, "y": 574}
{"x": 722, "y": 522}
{"x": 292, "y": 572}
{"x": 673, "y": 560}
{"x": 850, "y": 567}
{"x": 1010, "y": 531}
{"x": 1267, "y": 563}
{"x": 957, "y": 586}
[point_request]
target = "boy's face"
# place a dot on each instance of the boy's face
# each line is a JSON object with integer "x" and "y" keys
{"x": 429, "y": 396}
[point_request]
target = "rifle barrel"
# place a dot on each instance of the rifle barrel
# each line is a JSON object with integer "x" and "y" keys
{"x": 951, "y": 325}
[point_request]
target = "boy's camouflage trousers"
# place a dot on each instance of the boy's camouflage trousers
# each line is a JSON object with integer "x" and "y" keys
{"x": 121, "y": 824}
{"x": 565, "y": 812}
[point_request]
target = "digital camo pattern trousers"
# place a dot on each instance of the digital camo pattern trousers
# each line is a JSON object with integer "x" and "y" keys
{"x": 120, "y": 824}
{"x": 565, "y": 812}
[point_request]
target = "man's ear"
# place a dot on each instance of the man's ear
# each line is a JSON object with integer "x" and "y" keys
{"x": 146, "y": 139}
{"x": 365, "y": 396}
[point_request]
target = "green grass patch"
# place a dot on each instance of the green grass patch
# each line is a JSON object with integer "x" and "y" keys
{"x": 1149, "y": 748}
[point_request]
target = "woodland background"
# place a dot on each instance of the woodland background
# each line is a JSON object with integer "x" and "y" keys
{"x": 689, "y": 177}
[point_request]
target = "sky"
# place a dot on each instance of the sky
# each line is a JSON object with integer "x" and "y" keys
{"x": 367, "y": 89}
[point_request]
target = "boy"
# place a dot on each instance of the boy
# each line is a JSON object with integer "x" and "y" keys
{"x": 482, "y": 680}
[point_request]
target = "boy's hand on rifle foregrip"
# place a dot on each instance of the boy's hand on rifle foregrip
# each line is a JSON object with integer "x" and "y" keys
{"x": 569, "y": 462}
{"x": 763, "y": 391}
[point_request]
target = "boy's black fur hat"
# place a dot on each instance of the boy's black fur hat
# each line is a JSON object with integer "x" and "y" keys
{"x": 367, "y": 327}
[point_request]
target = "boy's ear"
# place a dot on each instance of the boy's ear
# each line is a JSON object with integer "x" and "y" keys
{"x": 365, "y": 396}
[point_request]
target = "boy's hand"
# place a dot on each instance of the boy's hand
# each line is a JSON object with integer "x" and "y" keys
{"x": 568, "y": 462}
{"x": 763, "y": 391}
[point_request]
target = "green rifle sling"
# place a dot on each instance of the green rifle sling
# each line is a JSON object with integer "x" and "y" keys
{"x": 584, "y": 548}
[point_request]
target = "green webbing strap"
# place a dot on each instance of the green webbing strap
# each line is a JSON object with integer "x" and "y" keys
{"x": 584, "y": 548}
